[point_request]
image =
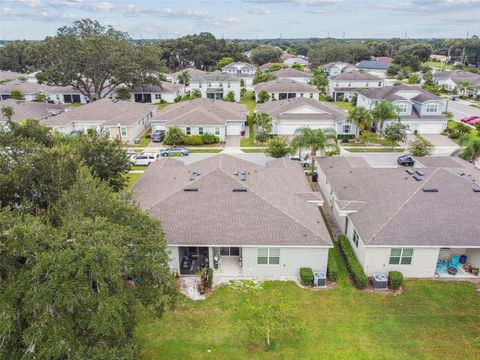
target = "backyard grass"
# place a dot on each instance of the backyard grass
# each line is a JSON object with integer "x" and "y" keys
{"x": 247, "y": 142}
{"x": 144, "y": 141}
{"x": 162, "y": 106}
{"x": 253, "y": 151}
{"x": 131, "y": 179}
{"x": 374, "y": 150}
{"x": 249, "y": 100}
{"x": 439, "y": 65}
{"x": 429, "y": 320}
{"x": 344, "y": 105}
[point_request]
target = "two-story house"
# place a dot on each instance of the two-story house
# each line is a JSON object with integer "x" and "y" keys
{"x": 419, "y": 109}
{"x": 216, "y": 85}
{"x": 375, "y": 67}
{"x": 341, "y": 87}
{"x": 152, "y": 93}
{"x": 242, "y": 70}
{"x": 293, "y": 74}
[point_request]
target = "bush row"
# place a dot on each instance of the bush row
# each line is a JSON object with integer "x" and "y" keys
{"x": 332, "y": 268}
{"x": 306, "y": 276}
{"x": 354, "y": 268}
{"x": 204, "y": 139}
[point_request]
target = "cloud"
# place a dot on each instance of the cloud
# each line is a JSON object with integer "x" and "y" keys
{"x": 29, "y": 3}
{"x": 258, "y": 10}
{"x": 317, "y": 2}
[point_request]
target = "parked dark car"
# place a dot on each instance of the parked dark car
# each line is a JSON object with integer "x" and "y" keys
{"x": 406, "y": 160}
{"x": 175, "y": 151}
{"x": 158, "y": 135}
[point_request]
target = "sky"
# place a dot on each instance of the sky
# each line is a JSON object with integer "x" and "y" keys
{"x": 247, "y": 19}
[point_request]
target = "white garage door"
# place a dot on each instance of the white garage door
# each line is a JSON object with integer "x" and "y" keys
{"x": 158, "y": 127}
{"x": 234, "y": 128}
{"x": 430, "y": 128}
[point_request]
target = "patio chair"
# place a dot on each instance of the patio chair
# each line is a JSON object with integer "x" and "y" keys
{"x": 455, "y": 262}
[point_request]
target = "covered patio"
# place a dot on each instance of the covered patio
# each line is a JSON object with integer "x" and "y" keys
{"x": 458, "y": 263}
{"x": 193, "y": 259}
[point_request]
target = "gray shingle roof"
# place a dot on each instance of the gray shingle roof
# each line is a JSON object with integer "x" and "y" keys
{"x": 239, "y": 66}
{"x": 269, "y": 213}
{"x": 393, "y": 210}
{"x": 28, "y": 87}
{"x": 165, "y": 87}
{"x": 355, "y": 76}
{"x": 289, "y": 73}
{"x": 9, "y": 75}
{"x": 457, "y": 76}
{"x": 105, "y": 111}
{"x": 372, "y": 64}
{"x": 278, "y": 109}
{"x": 285, "y": 85}
{"x": 216, "y": 76}
{"x": 390, "y": 93}
{"x": 30, "y": 109}
{"x": 191, "y": 71}
{"x": 201, "y": 112}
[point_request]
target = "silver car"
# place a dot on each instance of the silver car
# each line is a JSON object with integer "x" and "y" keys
{"x": 175, "y": 151}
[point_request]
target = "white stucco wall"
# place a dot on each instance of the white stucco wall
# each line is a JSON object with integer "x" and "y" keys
{"x": 276, "y": 94}
{"x": 291, "y": 260}
{"x": 288, "y": 127}
{"x": 173, "y": 261}
{"x": 204, "y": 85}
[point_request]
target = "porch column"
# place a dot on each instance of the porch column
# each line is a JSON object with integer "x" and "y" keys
{"x": 210, "y": 257}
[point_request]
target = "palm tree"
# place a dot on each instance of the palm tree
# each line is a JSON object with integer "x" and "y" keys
{"x": 263, "y": 121}
{"x": 361, "y": 117}
{"x": 383, "y": 111}
{"x": 312, "y": 139}
{"x": 463, "y": 86}
{"x": 184, "y": 78}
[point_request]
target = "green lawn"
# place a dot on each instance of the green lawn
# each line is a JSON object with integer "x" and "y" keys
{"x": 253, "y": 151}
{"x": 344, "y": 105}
{"x": 474, "y": 134}
{"x": 131, "y": 179}
{"x": 204, "y": 150}
{"x": 162, "y": 106}
{"x": 249, "y": 100}
{"x": 144, "y": 141}
{"x": 373, "y": 150}
{"x": 439, "y": 65}
{"x": 138, "y": 167}
{"x": 429, "y": 320}
{"x": 247, "y": 142}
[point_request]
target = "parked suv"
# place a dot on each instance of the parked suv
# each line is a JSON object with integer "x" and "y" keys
{"x": 158, "y": 135}
{"x": 406, "y": 160}
{"x": 175, "y": 151}
{"x": 144, "y": 159}
{"x": 300, "y": 160}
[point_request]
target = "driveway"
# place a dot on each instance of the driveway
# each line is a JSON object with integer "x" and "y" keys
{"x": 232, "y": 141}
{"x": 443, "y": 145}
{"x": 461, "y": 109}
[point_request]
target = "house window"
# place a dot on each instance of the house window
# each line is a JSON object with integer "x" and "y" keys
{"x": 346, "y": 129}
{"x": 158, "y": 96}
{"x": 301, "y": 94}
{"x": 209, "y": 84}
{"x": 123, "y": 131}
{"x": 431, "y": 108}
{"x": 188, "y": 131}
{"x": 230, "y": 251}
{"x": 379, "y": 84}
{"x": 228, "y": 85}
{"x": 268, "y": 256}
{"x": 355, "y": 238}
{"x": 349, "y": 84}
{"x": 200, "y": 85}
{"x": 336, "y": 84}
{"x": 311, "y": 95}
{"x": 402, "y": 256}
{"x": 217, "y": 131}
{"x": 401, "y": 109}
{"x": 200, "y": 130}
{"x": 366, "y": 84}
{"x": 220, "y": 84}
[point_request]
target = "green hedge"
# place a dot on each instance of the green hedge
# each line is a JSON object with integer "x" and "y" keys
{"x": 353, "y": 266}
{"x": 332, "y": 269}
{"x": 395, "y": 279}
{"x": 210, "y": 277}
{"x": 306, "y": 276}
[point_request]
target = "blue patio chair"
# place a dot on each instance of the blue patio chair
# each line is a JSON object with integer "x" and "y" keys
{"x": 455, "y": 262}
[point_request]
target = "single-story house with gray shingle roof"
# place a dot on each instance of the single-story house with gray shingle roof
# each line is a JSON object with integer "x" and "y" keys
{"x": 281, "y": 89}
{"x": 7, "y": 75}
{"x": 120, "y": 119}
{"x": 449, "y": 80}
{"x": 335, "y": 68}
{"x": 293, "y": 74}
{"x": 396, "y": 222}
{"x": 30, "y": 110}
{"x": 258, "y": 221}
{"x": 199, "y": 116}
{"x": 417, "y": 108}
{"x": 292, "y": 114}
{"x": 154, "y": 94}
{"x": 374, "y": 67}
{"x": 343, "y": 86}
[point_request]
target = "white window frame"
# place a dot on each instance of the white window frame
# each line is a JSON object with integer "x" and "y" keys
{"x": 123, "y": 131}
{"x": 429, "y": 107}
{"x": 188, "y": 130}
{"x": 200, "y": 130}
{"x": 217, "y": 131}
{"x": 158, "y": 96}
{"x": 349, "y": 128}
{"x": 401, "y": 256}
{"x": 401, "y": 108}
{"x": 355, "y": 238}
{"x": 268, "y": 256}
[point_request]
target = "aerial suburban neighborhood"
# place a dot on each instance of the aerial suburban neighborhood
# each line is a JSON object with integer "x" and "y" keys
{"x": 239, "y": 179}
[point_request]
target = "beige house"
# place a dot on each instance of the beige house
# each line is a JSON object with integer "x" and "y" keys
{"x": 403, "y": 220}
{"x": 120, "y": 119}
{"x": 257, "y": 221}
{"x": 281, "y": 89}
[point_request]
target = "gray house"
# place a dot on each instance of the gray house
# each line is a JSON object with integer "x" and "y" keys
{"x": 281, "y": 89}
{"x": 30, "y": 110}
{"x": 257, "y": 221}
{"x": 414, "y": 223}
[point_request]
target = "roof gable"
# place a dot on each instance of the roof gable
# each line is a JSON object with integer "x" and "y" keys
{"x": 305, "y": 109}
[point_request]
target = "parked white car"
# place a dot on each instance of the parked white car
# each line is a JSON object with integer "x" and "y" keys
{"x": 144, "y": 159}
{"x": 300, "y": 160}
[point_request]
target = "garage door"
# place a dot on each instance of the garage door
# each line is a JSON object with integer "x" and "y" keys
{"x": 158, "y": 127}
{"x": 234, "y": 128}
{"x": 430, "y": 128}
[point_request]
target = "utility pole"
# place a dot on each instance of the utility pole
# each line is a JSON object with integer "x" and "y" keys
{"x": 463, "y": 51}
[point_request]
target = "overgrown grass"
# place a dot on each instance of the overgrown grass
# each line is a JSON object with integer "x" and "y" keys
{"x": 429, "y": 320}
{"x": 374, "y": 150}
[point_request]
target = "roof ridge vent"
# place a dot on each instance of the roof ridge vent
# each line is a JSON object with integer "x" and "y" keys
{"x": 430, "y": 189}
{"x": 190, "y": 189}
{"x": 239, "y": 190}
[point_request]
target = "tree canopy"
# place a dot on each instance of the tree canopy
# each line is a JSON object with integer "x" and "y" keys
{"x": 265, "y": 54}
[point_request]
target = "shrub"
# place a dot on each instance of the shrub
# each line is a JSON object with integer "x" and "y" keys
{"x": 263, "y": 96}
{"x": 354, "y": 268}
{"x": 453, "y": 136}
{"x": 230, "y": 97}
{"x": 329, "y": 98}
{"x": 193, "y": 140}
{"x": 277, "y": 148}
{"x": 306, "y": 276}
{"x": 210, "y": 277}
{"x": 208, "y": 138}
{"x": 178, "y": 98}
{"x": 174, "y": 136}
{"x": 332, "y": 268}
{"x": 395, "y": 279}
{"x": 262, "y": 137}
